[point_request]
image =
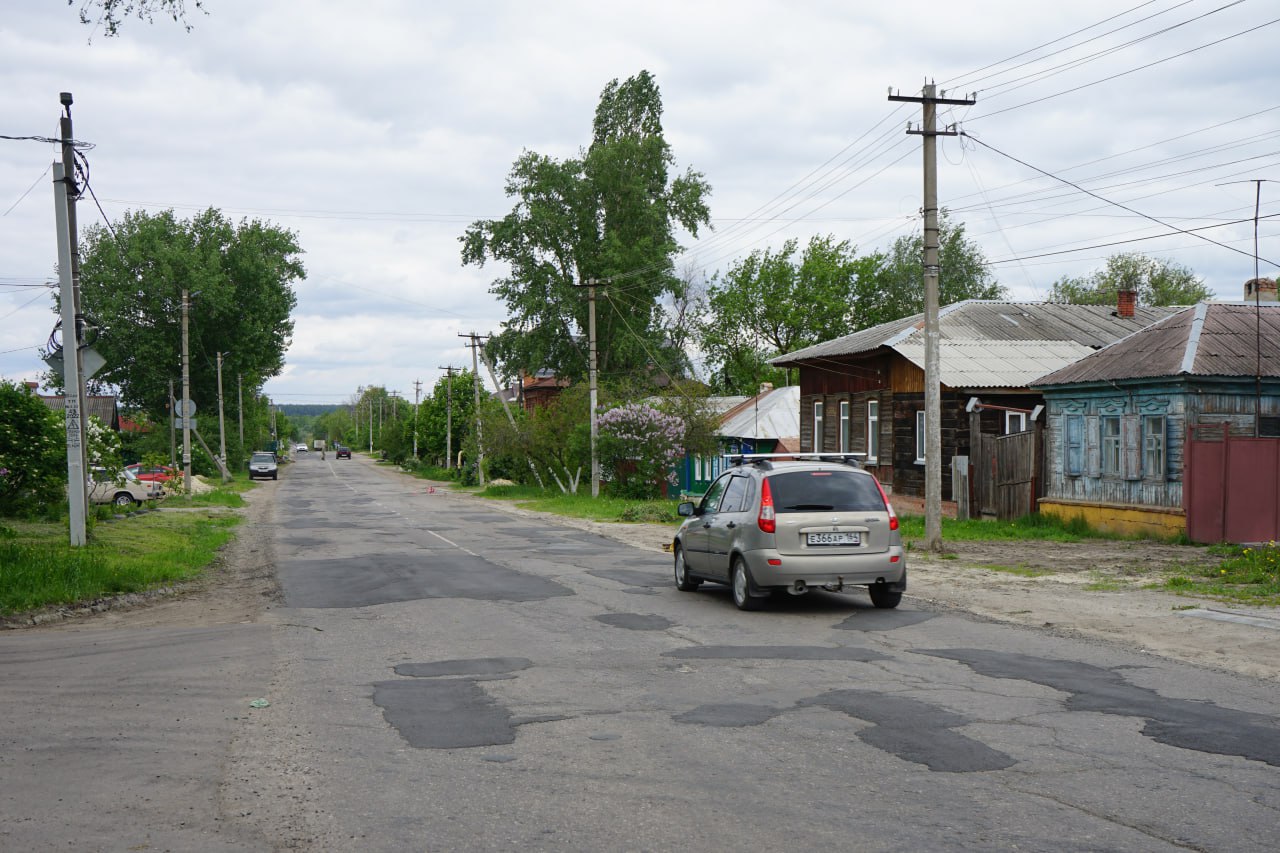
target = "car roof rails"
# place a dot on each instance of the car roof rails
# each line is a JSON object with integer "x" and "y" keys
{"x": 854, "y": 459}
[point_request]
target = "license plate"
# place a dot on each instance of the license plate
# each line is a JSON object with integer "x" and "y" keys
{"x": 834, "y": 538}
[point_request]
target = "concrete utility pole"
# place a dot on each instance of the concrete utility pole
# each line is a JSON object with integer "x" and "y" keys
{"x": 506, "y": 407}
{"x": 932, "y": 337}
{"x": 417, "y": 395}
{"x": 240, "y": 407}
{"x": 222, "y": 430}
{"x": 186, "y": 395}
{"x": 593, "y": 378}
{"x": 475, "y": 375}
{"x": 77, "y": 473}
{"x": 448, "y": 418}
{"x": 173, "y": 430}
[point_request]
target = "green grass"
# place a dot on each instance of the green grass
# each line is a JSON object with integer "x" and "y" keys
{"x": 1246, "y": 574}
{"x": 39, "y": 568}
{"x": 582, "y": 505}
{"x": 1039, "y": 527}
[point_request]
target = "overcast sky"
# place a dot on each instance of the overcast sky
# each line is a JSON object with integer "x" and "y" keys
{"x": 378, "y": 130}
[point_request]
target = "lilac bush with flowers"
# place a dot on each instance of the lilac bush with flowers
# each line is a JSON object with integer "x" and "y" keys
{"x": 639, "y": 447}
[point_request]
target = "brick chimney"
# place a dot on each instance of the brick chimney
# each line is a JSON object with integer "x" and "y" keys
{"x": 1126, "y": 302}
{"x": 1260, "y": 289}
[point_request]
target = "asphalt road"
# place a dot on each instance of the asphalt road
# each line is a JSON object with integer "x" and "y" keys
{"x": 446, "y": 676}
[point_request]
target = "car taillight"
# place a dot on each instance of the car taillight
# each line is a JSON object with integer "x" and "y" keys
{"x": 767, "y": 520}
{"x": 893, "y": 516}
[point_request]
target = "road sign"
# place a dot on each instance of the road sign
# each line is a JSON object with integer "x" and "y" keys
{"x": 186, "y": 408}
{"x": 185, "y": 423}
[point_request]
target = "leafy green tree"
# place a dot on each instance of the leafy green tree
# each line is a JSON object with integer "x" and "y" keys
{"x": 774, "y": 302}
{"x": 610, "y": 213}
{"x": 33, "y": 452}
{"x": 111, "y": 14}
{"x": 240, "y": 279}
{"x": 1154, "y": 280}
{"x": 898, "y": 288}
{"x": 433, "y": 416}
{"x": 691, "y": 403}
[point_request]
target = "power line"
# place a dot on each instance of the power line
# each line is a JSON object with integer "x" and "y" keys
{"x": 1108, "y": 201}
{"x": 1124, "y": 73}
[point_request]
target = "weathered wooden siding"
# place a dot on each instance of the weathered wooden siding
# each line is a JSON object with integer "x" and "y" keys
{"x": 1163, "y": 489}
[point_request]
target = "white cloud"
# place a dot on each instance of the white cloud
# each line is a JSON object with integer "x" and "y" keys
{"x": 379, "y": 131}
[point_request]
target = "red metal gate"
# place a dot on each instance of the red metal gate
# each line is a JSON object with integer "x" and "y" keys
{"x": 1231, "y": 491}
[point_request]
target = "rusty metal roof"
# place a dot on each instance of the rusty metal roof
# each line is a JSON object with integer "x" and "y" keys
{"x": 103, "y": 407}
{"x": 1093, "y": 326}
{"x": 1209, "y": 339}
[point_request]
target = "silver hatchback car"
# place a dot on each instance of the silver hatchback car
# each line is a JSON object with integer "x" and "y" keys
{"x": 794, "y": 522}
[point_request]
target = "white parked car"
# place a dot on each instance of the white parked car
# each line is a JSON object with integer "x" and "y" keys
{"x": 124, "y": 489}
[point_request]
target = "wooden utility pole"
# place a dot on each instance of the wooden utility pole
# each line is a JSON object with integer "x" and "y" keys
{"x": 928, "y": 130}
{"x": 448, "y": 418}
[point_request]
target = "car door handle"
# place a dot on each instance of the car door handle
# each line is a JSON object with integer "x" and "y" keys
{"x": 706, "y": 525}
{"x": 731, "y": 525}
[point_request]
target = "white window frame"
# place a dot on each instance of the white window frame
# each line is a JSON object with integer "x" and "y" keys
{"x": 1154, "y": 446}
{"x": 845, "y": 427}
{"x": 873, "y": 430}
{"x": 920, "y": 437}
{"x": 817, "y": 426}
{"x": 1112, "y": 445}
{"x": 1015, "y": 422}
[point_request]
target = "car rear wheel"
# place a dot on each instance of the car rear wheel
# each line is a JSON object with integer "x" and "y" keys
{"x": 883, "y": 597}
{"x": 124, "y": 499}
{"x": 684, "y": 583}
{"x": 742, "y": 586}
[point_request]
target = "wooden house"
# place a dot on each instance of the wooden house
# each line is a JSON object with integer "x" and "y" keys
{"x": 864, "y": 392}
{"x": 1119, "y": 420}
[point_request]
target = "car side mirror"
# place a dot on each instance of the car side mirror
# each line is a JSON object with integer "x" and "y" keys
{"x": 686, "y": 509}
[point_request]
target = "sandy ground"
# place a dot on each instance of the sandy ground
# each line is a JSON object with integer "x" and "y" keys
{"x": 1092, "y": 590}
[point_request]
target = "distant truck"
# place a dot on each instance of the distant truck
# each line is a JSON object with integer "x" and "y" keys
{"x": 318, "y": 444}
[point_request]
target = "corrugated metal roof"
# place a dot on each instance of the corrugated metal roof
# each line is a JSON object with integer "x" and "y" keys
{"x": 1210, "y": 339}
{"x": 773, "y": 414}
{"x": 102, "y": 407}
{"x": 994, "y": 364}
{"x": 1093, "y": 326}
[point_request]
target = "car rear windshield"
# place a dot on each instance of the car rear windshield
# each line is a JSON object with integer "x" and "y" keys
{"x": 825, "y": 491}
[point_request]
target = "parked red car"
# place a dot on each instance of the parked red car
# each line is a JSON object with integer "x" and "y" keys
{"x": 155, "y": 473}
